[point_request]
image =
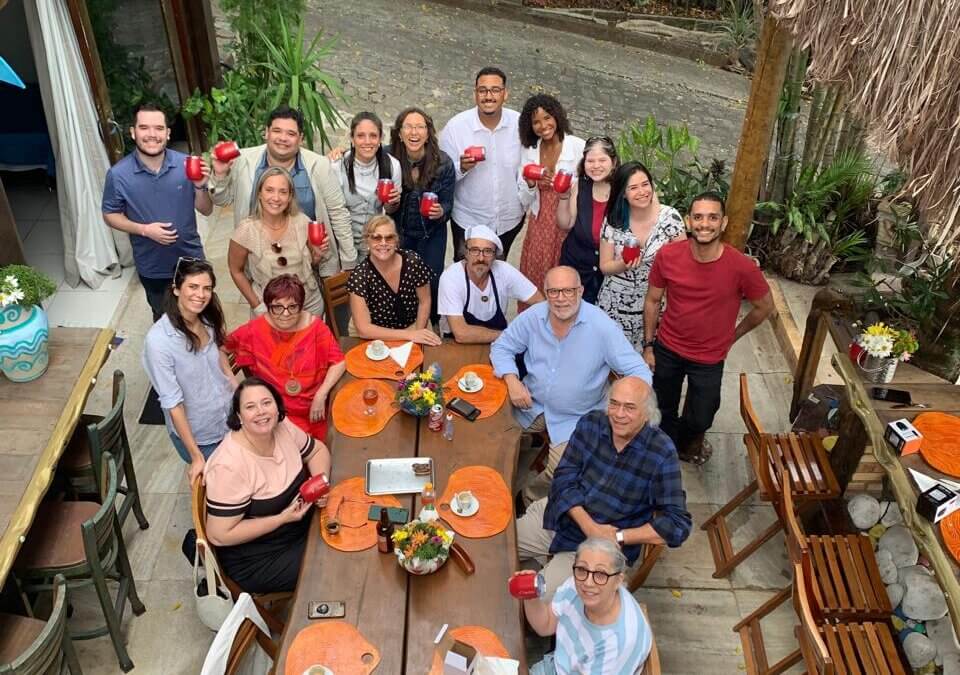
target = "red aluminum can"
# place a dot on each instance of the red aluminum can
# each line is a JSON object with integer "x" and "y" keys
{"x": 527, "y": 586}
{"x": 477, "y": 153}
{"x": 435, "y": 420}
{"x": 316, "y": 233}
{"x": 427, "y": 202}
{"x": 534, "y": 172}
{"x": 562, "y": 181}
{"x": 384, "y": 188}
{"x": 193, "y": 166}
{"x": 226, "y": 151}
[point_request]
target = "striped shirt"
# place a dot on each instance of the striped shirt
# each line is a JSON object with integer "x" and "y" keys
{"x": 619, "y": 648}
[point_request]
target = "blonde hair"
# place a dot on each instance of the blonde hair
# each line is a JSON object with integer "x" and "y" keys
{"x": 293, "y": 207}
{"x": 376, "y": 222}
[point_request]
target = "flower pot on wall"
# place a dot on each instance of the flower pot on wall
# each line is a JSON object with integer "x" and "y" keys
{"x": 23, "y": 342}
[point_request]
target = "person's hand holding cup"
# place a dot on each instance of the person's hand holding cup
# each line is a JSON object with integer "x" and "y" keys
{"x": 527, "y": 585}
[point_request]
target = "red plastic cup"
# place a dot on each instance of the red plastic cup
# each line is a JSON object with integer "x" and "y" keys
{"x": 427, "y": 201}
{"x": 562, "y": 181}
{"x": 226, "y": 151}
{"x": 384, "y": 188}
{"x": 193, "y": 167}
{"x": 855, "y": 351}
{"x": 314, "y": 488}
{"x": 527, "y": 586}
{"x": 477, "y": 153}
{"x": 534, "y": 171}
{"x": 630, "y": 253}
{"x": 316, "y": 233}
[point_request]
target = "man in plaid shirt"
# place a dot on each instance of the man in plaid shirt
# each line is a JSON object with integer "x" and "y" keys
{"x": 619, "y": 478}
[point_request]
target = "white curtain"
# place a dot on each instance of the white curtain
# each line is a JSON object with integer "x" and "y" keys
{"x": 92, "y": 251}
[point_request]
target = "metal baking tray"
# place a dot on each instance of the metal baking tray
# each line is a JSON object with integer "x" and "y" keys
{"x": 396, "y": 476}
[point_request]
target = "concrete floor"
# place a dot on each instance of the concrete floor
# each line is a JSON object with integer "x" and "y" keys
{"x": 692, "y": 613}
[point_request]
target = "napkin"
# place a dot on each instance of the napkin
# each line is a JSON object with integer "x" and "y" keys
{"x": 489, "y": 665}
{"x": 401, "y": 354}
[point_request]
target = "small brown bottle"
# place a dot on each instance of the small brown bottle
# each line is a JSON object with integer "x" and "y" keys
{"x": 384, "y": 533}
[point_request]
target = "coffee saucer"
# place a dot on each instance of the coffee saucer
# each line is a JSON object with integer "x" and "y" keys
{"x": 467, "y": 512}
{"x": 373, "y": 356}
{"x": 469, "y": 390}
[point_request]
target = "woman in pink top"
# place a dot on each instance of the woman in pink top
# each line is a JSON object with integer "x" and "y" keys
{"x": 255, "y": 516}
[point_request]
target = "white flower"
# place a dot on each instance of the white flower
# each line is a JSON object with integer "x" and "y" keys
{"x": 12, "y": 280}
{"x": 877, "y": 345}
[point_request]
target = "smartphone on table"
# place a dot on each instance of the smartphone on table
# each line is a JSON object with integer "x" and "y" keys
{"x": 891, "y": 395}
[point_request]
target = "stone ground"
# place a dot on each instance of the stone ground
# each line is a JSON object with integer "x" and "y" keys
{"x": 429, "y": 57}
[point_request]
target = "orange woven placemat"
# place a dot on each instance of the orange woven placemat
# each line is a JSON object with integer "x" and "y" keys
{"x": 489, "y": 399}
{"x": 360, "y": 366}
{"x": 941, "y": 437}
{"x": 496, "y": 506}
{"x": 335, "y": 644}
{"x": 484, "y": 640}
{"x": 351, "y": 505}
{"x": 950, "y": 529}
{"x": 348, "y": 408}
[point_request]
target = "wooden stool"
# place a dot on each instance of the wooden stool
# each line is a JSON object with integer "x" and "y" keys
{"x": 802, "y": 455}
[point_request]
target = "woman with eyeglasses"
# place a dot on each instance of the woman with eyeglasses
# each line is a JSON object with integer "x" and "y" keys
{"x": 390, "y": 289}
{"x": 425, "y": 168}
{"x": 635, "y": 227}
{"x": 190, "y": 374}
{"x": 273, "y": 241}
{"x": 600, "y": 627}
{"x": 360, "y": 169}
{"x": 293, "y": 351}
{"x": 547, "y": 140}
{"x": 582, "y": 209}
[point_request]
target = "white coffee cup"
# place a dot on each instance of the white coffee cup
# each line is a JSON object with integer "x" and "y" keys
{"x": 471, "y": 379}
{"x": 464, "y": 499}
{"x": 379, "y": 347}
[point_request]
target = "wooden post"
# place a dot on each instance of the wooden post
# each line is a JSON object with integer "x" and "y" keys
{"x": 773, "y": 53}
{"x": 814, "y": 334}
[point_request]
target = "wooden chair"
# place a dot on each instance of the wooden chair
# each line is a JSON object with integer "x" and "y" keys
{"x": 247, "y": 634}
{"x": 82, "y": 542}
{"x": 652, "y": 665}
{"x": 94, "y": 436}
{"x": 802, "y": 455}
{"x": 29, "y": 646}
{"x": 261, "y": 600}
{"x": 648, "y": 558}
{"x": 840, "y": 575}
{"x": 829, "y": 648}
{"x": 335, "y": 295}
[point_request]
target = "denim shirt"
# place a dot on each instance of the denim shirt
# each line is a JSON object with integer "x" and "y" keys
{"x": 301, "y": 184}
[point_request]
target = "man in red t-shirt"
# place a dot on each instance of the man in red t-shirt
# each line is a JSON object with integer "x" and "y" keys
{"x": 705, "y": 281}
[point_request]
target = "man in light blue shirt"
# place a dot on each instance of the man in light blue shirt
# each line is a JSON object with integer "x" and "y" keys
{"x": 569, "y": 348}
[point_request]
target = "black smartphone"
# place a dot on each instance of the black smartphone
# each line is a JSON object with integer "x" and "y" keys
{"x": 891, "y": 395}
{"x": 395, "y": 515}
{"x": 325, "y": 609}
{"x": 463, "y": 408}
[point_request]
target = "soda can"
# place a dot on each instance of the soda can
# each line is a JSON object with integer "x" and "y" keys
{"x": 435, "y": 420}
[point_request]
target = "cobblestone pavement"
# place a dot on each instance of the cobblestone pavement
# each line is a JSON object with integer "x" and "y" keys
{"x": 394, "y": 54}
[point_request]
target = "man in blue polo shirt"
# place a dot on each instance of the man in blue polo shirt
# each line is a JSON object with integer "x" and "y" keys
{"x": 147, "y": 195}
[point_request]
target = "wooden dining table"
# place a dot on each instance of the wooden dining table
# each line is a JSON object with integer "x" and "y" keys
{"x": 399, "y": 613}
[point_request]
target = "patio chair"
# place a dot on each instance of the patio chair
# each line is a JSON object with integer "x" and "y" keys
{"x": 94, "y": 436}
{"x": 811, "y": 478}
{"x": 82, "y": 542}
{"x": 652, "y": 664}
{"x": 30, "y": 646}
{"x": 335, "y": 296}
{"x": 261, "y": 600}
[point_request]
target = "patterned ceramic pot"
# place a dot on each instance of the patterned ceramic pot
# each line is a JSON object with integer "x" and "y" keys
{"x": 23, "y": 342}
{"x": 878, "y": 369}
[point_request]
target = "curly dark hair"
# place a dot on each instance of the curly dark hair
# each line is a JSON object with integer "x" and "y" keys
{"x": 552, "y": 107}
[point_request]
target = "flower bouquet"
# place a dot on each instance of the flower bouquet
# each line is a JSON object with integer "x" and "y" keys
{"x": 882, "y": 347}
{"x": 422, "y": 547}
{"x": 418, "y": 392}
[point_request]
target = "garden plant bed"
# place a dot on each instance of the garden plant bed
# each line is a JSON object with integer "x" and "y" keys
{"x": 653, "y": 7}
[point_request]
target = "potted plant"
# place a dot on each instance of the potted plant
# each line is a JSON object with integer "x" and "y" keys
{"x": 23, "y": 323}
{"x": 422, "y": 546}
{"x": 882, "y": 347}
{"x": 418, "y": 392}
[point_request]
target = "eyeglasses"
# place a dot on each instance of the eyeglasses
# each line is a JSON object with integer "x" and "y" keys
{"x": 555, "y": 293}
{"x": 276, "y": 248}
{"x": 599, "y": 576}
{"x": 200, "y": 262}
{"x": 485, "y": 252}
{"x": 414, "y": 127}
{"x": 496, "y": 91}
{"x": 280, "y": 310}
{"x": 383, "y": 238}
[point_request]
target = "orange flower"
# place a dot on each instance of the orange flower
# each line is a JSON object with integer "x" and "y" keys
{"x": 418, "y": 539}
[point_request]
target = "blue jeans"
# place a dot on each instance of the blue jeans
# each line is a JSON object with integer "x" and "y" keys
{"x": 433, "y": 250}
{"x": 205, "y": 450}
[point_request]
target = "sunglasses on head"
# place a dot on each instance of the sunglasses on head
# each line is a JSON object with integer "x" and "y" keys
{"x": 199, "y": 262}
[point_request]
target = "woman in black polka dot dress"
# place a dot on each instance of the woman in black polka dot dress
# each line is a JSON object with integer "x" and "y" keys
{"x": 390, "y": 289}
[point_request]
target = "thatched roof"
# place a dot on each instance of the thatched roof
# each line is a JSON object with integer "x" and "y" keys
{"x": 900, "y": 63}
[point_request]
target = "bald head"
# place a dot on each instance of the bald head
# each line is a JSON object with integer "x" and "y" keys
{"x": 633, "y": 404}
{"x": 630, "y": 388}
{"x": 561, "y": 276}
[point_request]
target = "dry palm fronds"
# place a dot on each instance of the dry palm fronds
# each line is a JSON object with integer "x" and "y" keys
{"x": 898, "y": 62}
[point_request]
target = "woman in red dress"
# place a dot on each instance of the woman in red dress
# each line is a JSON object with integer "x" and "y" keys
{"x": 546, "y": 139}
{"x": 294, "y": 351}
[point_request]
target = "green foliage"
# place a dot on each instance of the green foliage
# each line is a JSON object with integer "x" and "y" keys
{"x": 125, "y": 74}
{"x": 824, "y": 205}
{"x": 233, "y": 112}
{"x": 33, "y": 285}
{"x": 249, "y": 19}
{"x": 739, "y": 25}
{"x": 670, "y": 153}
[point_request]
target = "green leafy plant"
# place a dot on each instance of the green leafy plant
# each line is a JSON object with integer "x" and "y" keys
{"x": 249, "y": 19}
{"x": 24, "y": 285}
{"x": 739, "y": 26}
{"x": 227, "y": 111}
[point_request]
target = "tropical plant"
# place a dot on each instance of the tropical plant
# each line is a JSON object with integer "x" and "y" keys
{"x": 24, "y": 285}
{"x": 227, "y": 111}
{"x": 248, "y": 20}
{"x": 739, "y": 26}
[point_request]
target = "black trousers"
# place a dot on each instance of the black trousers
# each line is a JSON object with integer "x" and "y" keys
{"x": 702, "y": 400}
{"x": 155, "y": 290}
{"x": 459, "y": 240}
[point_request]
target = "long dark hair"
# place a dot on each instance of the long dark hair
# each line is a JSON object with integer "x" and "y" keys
{"x": 605, "y": 143}
{"x": 551, "y": 106}
{"x": 431, "y": 151}
{"x": 618, "y": 211}
{"x": 233, "y": 419}
{"x": 383, "y": 159}
{"x": 212, "y": 314}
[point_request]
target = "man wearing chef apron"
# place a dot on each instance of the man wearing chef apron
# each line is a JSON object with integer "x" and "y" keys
{"x": 474, "y": 292}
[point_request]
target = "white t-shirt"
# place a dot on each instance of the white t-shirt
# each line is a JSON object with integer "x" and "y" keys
{"x": 453, "y": 292}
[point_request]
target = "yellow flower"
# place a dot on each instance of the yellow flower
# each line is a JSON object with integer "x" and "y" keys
{"x": 400, "y": 536}
{"x": 430, "y": 397}
{"x": 881, "y": 330}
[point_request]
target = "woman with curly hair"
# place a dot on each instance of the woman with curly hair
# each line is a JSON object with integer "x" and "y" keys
{"x": 546, "y": 139}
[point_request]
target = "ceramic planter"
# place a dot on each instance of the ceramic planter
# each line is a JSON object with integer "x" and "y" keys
{"x": 23, "y": 342}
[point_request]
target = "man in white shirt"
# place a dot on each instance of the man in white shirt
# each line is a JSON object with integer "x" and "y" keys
{"x": 474, "y": 292}
{"x": 486, "y": 191}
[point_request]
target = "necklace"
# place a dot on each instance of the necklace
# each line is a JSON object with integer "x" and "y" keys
{"x": 293, "y": 385}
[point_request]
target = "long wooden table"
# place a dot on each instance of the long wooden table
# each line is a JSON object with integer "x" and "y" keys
{"x": 38, "y": 419}
{"x": 397, "y": 612}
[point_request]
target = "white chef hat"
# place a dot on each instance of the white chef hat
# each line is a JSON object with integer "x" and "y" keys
{"x": 484, "y": 232}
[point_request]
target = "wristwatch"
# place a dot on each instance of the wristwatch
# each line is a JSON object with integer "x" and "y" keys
{"x": 620, "y": 537}
{"x": 648, "y": 343}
